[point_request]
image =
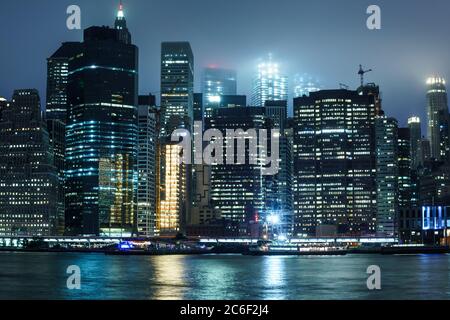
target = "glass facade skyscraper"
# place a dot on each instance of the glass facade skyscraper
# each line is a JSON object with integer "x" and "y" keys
{"x": 279, "y": 196}
{"x": 146, "y": 193}
{"x": 177, "y": 86}
{"x": 386, "y": 132}
{"x": 57, "y": 76}
{"x": 56, "y": 113}
{"x": 219, "y": 82}
{"x": 415, "y": 129}
{"x": 304, "y": 84}
{"x": 269, "y": 84}
{"x": 407, "y": 191}
{"x": 437, "y": 109}
{"x": 177, "y": 111}
{"x": 102, "y": 135}
{"x": 334, "y": 162}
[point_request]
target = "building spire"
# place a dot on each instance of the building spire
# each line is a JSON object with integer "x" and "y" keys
{"x": 121, "y": 25}
{"x": 120, "y": 14}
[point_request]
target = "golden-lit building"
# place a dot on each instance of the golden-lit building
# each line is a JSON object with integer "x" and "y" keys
{"x": 173, "y": 191}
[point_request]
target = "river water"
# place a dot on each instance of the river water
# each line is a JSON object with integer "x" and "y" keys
{"x": 230, "y": 277}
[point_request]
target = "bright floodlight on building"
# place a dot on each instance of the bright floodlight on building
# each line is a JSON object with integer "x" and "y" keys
{"x": 214, "y": 99}
{"x": 120, "y": 13}
{"x": 273, "y": 219}
{"x": 435, "y": 80}
{"x": 412, "y": 120}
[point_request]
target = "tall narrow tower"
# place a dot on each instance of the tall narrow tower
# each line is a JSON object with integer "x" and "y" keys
{"x": 121, "y": 25}
{"x": 436, "y": 106}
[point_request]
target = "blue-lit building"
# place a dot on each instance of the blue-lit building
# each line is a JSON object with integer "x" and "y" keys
{"x": 217, "y": 82}
{"x": 437, "y": 111}
{"x": 56, "y": 112}
{"x": 426, "y": 224}
{"x": 386, "y": 135}
{"x": 304, "y": 84}
{"x": 269, "y": 83}
{"x": 102, "y": 134}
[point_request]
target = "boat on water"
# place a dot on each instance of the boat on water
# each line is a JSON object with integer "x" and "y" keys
{"x": 270, "y": 248}
{"x": 127, "y": 248}
{"x": 140, "y": 252}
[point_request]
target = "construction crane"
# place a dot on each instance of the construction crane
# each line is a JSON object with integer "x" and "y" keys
{"x": 362, "y": 72}
{"x": 343, "y": 86}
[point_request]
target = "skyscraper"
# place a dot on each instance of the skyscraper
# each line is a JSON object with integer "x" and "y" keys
{"x": 269, "y": 84}
{"x": 238, "y": 190}
{"x": 424, "y": 151}
{"x": 218, "y": 82}
{"x": 174, "y": 202}
{"x": 444, "y": 135}
{"x": 57, "y": 140}
{"x": 177, "y": 86}
{"x": 386, "y": 132}
{"x": 280, "y": 195}
{"x": 146, "y": 193}
{"x": 102, "y": 135}
{"x": 56, "y": 113}
{"x": 3, "y": 105}
{"x": 277, "y": 111}
{"x": 121, "y": 26}
{"x": 334, "y": 162}
{"x": 371, "y": 89}
{"x": 437, "y": 105}
{"x": 28, "y": 178}
{"x": 407, "y": 193}
{"x": 198, "y": 106}
{"x": 57, "y": 77}
{"x": 415, "y": 129}
{"x": 177, "y": 108}
{"x": 304, "y": 84}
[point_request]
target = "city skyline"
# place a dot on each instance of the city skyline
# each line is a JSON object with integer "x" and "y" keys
{"x": 92, "y": 87}
{"x": 212, "y": 150}
{"x": 395, "y": 69}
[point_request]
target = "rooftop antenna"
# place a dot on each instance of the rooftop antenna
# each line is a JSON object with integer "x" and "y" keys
{"x": 362, "y": 72}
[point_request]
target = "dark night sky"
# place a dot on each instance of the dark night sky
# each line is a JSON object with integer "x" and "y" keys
{"x": 326, "y": 38}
